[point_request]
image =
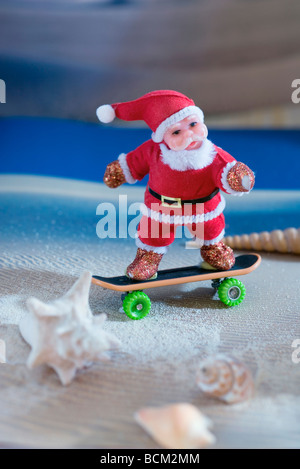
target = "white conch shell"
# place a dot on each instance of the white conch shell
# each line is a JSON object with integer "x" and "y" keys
{"x": 225, "y": 378}
{"x": 64, "y": 334}
{"x": 177, "y": 426}
{"x": 277, "y": 240}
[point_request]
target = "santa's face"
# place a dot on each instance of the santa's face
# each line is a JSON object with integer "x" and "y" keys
{"x": 187, "y": 134}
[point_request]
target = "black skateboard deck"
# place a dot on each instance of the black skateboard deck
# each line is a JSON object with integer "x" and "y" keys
{"x": 244, "y": 264}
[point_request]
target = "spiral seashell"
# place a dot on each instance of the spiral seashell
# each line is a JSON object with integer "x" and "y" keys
{"x": 274, "y": 241}
{"x": 225, "y": 378}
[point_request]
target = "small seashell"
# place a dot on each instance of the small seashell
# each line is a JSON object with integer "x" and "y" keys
{"x": 225, "y": 378}
{"x": 177, "y": 426}
{"x": 274, "y": 241}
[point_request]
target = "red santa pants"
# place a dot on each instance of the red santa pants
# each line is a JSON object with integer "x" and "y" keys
{"x": 157, "y": 234}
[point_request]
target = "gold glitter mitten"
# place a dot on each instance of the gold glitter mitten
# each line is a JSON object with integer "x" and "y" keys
{"x": 114, "y": 176}
{"x": 240, "y": 178}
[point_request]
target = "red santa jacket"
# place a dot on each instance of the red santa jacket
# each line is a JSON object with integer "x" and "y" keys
{"x": 188, "y": 174}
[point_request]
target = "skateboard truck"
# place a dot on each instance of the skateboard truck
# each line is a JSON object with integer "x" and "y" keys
{"x": 216, "y": 283}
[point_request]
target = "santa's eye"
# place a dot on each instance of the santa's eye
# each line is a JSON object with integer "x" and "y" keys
{"x": 176, "y": 132}
{"x": 192, "y": 124}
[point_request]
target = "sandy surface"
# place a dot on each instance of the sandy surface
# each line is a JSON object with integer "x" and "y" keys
{"x": 160, "y": 354}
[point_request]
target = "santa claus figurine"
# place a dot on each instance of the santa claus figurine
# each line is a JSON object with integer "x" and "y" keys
{"x": 186, "y": 172}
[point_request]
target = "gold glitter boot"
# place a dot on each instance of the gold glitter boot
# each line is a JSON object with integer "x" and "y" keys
{"x": 144, "y": 266}
{"x": 218, "y": 256}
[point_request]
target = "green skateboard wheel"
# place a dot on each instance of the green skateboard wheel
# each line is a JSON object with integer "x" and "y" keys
{"x": 231, "y": 292}
{"x": 136, "y": 305}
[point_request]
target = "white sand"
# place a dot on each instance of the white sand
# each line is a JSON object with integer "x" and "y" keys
{"x": 186, "y": 323}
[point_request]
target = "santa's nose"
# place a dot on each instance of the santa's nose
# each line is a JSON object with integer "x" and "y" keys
{"x": 188, "y": 133}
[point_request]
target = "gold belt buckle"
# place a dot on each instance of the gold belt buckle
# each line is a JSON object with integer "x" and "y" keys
{"x": 176, "y": 204}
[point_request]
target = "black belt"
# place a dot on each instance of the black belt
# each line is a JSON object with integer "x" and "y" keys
{"x": 177, "y": 202}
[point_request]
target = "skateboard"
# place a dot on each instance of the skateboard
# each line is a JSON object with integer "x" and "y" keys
{"x": 137, "y": 304}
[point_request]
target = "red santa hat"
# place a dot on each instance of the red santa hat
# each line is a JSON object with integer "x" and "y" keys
{"x": 159, "y": 109}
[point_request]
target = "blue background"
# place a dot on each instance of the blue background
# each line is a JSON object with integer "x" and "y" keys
{"x": 79, "y": 150}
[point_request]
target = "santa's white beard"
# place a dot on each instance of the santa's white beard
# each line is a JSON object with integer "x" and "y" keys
{"x": 183, "y": 160}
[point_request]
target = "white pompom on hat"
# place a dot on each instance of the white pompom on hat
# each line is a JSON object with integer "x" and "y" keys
{"x": 159, "y": 109}
{"x": 106, "y": 113}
